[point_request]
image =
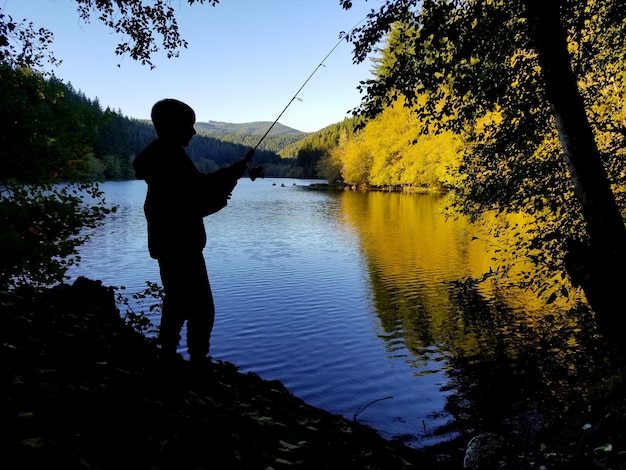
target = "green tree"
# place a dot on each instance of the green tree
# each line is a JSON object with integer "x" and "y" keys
{"x": 521, "y": 82}
{"x": 42, "y": 225}
{"x": 46, "y": 139}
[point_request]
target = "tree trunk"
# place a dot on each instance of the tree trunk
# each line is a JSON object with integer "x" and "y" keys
{"x": 604, "y": 264}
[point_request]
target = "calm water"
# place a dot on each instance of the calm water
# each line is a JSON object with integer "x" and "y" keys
{"x": 349, "y": 299}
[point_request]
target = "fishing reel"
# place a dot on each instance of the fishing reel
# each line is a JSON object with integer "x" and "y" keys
{"x": 257, "y": 171}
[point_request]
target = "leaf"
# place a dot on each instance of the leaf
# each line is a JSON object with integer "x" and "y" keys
{"x": 288, "y": 446}
{"x": 284, "y": 462}
{"x": 34, "y": 442}
{"x": 605, "y": 448}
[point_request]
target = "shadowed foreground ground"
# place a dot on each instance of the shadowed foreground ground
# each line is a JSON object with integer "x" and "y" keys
{"x": 80, "y": 390}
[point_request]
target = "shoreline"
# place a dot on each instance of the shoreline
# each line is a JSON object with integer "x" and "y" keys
{"x": 83, "y": 390}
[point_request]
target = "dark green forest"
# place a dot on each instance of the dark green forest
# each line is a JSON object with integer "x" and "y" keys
{"x": 120, "y": 138}
{"x": 251, "y": 133}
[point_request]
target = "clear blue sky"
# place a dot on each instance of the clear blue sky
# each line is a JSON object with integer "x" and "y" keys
{"x": 245, "y": 61}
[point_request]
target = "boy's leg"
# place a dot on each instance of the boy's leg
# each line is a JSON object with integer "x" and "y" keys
{"x": 174, "y": 311}
{"x": 169, "y": 329}
{"x": 202, "y": 316}
{"x": 187, "y": 297}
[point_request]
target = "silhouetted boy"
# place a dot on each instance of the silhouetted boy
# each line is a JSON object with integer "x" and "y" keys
{"x": 178, "y": 198}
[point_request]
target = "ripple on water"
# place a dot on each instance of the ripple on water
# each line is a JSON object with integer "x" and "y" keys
{"x": 296, "y": 302}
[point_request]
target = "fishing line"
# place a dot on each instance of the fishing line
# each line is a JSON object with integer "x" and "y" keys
{"x": 342, "y": 36}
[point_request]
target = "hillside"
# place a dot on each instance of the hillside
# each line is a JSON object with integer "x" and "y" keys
{"x": 250, "y": 134}
{"x": 247, "y": 128}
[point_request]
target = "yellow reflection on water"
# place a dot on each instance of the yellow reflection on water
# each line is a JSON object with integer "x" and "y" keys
{"x": 415, "y": 255}
{"x": 410, "y": 243}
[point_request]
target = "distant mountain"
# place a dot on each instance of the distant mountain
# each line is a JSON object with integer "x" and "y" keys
{"x": 213, "y": 128}
{"x": 249, "y": 134}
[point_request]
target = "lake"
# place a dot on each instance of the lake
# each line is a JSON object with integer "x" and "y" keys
{"x": 356, "y": 302}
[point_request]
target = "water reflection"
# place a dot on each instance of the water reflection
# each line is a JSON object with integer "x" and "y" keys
{"x": 511, "y": 360}
{"x": 412, "y": 254}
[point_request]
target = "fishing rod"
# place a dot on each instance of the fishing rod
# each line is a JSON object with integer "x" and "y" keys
{"x": 257, "y": 170}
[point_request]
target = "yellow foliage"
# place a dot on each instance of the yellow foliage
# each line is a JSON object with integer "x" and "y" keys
{"x": 390, "y": 151}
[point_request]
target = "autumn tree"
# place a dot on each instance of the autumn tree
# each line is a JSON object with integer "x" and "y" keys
{"x": 386, "y": 154}
{"x": 529, "y": 86}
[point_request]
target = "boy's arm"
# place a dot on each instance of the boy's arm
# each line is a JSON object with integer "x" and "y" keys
{"x": 216, "y": 187}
